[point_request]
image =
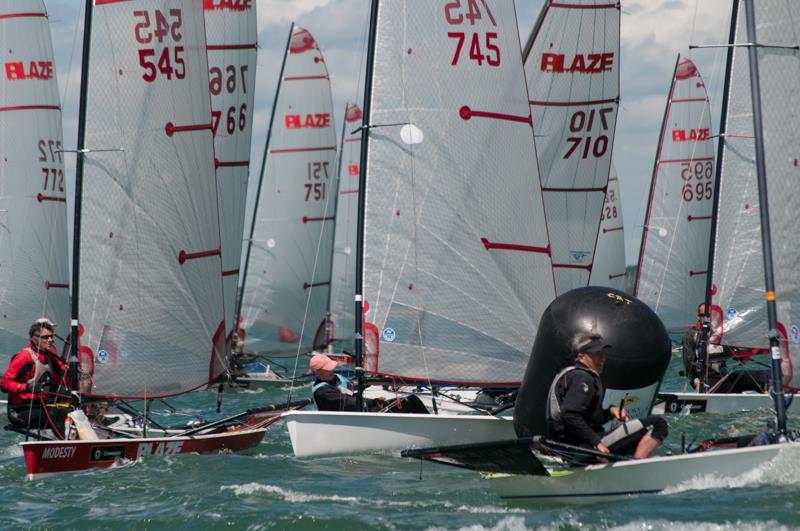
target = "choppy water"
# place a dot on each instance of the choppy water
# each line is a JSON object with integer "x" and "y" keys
{"x": 267, "y": 488}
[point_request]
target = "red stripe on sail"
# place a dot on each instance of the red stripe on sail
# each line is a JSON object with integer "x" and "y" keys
{"x": 694, "y": 273}
{"x": 42, "y": 197}
{"x": 605, "y": 230}
{"x": 695, "y": 218}
{"x": 571, "y": 103}
{"x": 23, "y": 15}
{"x": 230, "y": 273}
{"x": 183, "y": 255}
{"x": 218, "y": 47}
{"x": 104, "y": 2}
{"x": 171, "y": 128}
{"x": 345, "y": 192}
{"x": 689, "y": 100}
{"x": 304, "y": 78}
{"x": 306, "y": 219}
{"x": 672, "y": 161}
{"x": 353, "y": 139}
{"x": 231, "y": 164}
{"x": 574, "y": 190}
{"x": 31, "y": 108}
{"x": 581, "y": 6}
{"x": 574, "y": 266}
{"x": 303, "y": 150}
{"x": 54, "y": 285}
{"x": 306, "y": 285}
{"x": 514, "y": 247}
{"x": 466, "y": 113}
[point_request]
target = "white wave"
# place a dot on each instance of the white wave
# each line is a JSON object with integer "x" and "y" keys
{"x": 509, "y": 523}
{"x": 664, "y": 525}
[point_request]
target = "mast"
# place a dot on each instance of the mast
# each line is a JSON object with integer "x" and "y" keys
{"x": 362, "y": 189}
{"x": 705, "y": 327}
{"x": 763, "y": 203}
{"x": 240, "y": 298}
{"x": 76, "y": 234}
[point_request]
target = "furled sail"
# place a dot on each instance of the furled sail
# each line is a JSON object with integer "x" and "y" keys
{"x": 33, "y": 210}
{"x": 673, "y": 259}
{"x": 232, "y": 40}
{"x": 343, "y": 270}
{"x": 287, "y": 281}
{"x": 456, "y": 270}
{"x": 572, "y": 69}
{"x": 609, "y": 260}
{"x": 150, "y": 271}
{"x": 738, "y": 272}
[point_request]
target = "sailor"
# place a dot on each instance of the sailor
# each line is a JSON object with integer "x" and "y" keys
{"x": 575, "y": 407}
{"x": 334, "y": 392}
{"x": 33, "y": 378}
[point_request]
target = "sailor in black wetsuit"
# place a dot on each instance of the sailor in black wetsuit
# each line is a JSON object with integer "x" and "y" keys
{"x": 575, "y": 407}
{"x": 334, "y": 392}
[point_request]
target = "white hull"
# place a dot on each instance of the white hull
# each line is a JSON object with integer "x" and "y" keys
{"x": 443, "y": 403}
{"x": 327, "y": 433}
{"x": 718, "y": 403}
{"x": 627, "y": 478}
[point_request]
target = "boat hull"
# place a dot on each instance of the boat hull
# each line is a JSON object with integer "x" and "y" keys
{"x": 628, "y": 478}
{"x": 50, "y": 457}
{"x": 718, "y": 403}
{"x": 329, "y": 433}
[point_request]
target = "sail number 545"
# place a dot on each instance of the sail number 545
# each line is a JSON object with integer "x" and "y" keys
{"x": 169, "y": 61}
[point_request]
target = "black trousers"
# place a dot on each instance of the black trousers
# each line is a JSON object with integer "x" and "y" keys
{"x": 33, "y": 416}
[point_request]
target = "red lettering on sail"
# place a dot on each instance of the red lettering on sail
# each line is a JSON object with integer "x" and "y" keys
{"x": 227, "y": 5}
{"x": 20, "y": 71}
{"x": 690, "y": 135}
{"x": 592, "y": 63}
{"x": 352, "y": 169}
{"x": 314, "y": 121}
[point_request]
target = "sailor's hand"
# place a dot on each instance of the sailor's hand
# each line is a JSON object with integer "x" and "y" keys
{"x": 619, "y": 413}
{"x": 602, "y": 448}
{"x": 381, "y": 403}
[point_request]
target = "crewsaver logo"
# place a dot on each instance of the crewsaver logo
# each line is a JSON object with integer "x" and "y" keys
{"x": 690, "y": 135}
{"x": 20, "y": 71}
{"x": 592, "y": 63}
{"x": 227, "y": 5}
{"x": 107, "y": 453}
{"x": 315, "y": 121}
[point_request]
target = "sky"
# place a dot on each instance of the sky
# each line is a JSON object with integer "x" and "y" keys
{"x": 653, "y": 33}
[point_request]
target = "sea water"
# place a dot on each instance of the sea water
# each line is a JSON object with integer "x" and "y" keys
{"x": 267, "y": 488}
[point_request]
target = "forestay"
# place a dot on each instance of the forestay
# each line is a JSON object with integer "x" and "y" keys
{"x": 343, "y": 270}
{"x": 673, "y": 260}
{"x": 738, "y": 270}
{"x": 285, "y": 293}
{"x": 609, "y": 261}
{"x": 232, "y": 40}
{"x": 572, "y": 70}
{"x": 456, "y": 268}
{"x": 150, "y": 269}
{"x": 33, "y": 210}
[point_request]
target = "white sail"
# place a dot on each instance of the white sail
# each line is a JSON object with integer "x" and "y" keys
{"x": 609, "y": 261}
{"x": 673, "y": 259}
{"x": 33, "y": 210}
{"x": 456, "y": 270}
{"x": 738, "y": 268}
{"x": 572, "y": 69}
{"x": 286, "y": 287}
{"x": 232, "y": 40}
{"x": 150, "y": 274}
{"x": 343, "y": 270}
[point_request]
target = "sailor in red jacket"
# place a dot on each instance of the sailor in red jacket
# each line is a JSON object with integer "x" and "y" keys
{"x": 34, "y": 375}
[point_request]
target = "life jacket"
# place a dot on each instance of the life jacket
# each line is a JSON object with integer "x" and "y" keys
{"x": 341, "y": 382}
{"x": 41, "y": 371}
{"x": 553, "y": 410}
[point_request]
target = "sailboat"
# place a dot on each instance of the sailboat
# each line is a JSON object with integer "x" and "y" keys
{"x": 147, "y": 313}
{"x": 572, "y": 70}
{"x": 288, "y": 264}
{"x": 231, "y": 35}
{"x": 33, "y": 211}
{"x": 673, "y": 258}
{"x": 520, "y": 470}
{"x": 609, "y": 261}
{"x": 453, "y": 265}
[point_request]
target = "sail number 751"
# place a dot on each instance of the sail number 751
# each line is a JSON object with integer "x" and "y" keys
{"x": 481, "y": 47}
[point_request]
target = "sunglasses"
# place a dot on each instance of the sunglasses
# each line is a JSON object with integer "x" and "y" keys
{"x": 45, "y": 337}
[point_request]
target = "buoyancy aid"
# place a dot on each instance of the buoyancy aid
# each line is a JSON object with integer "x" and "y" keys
{"x": 341, "y": 382}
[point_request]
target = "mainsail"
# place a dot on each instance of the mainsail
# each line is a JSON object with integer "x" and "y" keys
{"x": 33, "y": 209}
{"x": 572, "y": 70}
{"x": 150, "y": 272}
{"x": 456, "y": 268}
{"x": 738, "y": 272}
{"x": 673, "y": 259}
{"x": 287, "y": 280}
{"x": 609, "y": 260}
{"x": 343, "y": 270}
{"x": 232, "y": 40}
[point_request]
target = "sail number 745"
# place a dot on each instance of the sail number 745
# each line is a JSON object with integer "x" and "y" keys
{"x": 482, "y": 46}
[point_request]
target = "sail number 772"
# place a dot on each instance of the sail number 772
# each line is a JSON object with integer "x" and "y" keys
{"x": 481, "y": 47}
